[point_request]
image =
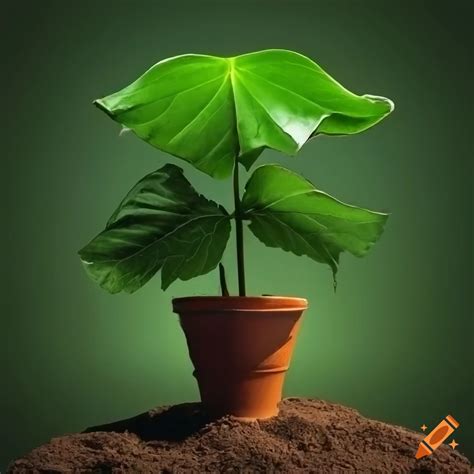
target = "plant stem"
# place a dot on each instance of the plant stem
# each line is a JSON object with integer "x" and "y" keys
{"x": 239, "y": 231}
{"x": 224, "y": 290}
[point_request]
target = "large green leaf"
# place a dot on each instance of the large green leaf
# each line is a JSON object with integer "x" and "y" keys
{"x": 163, "y": 223}
{"x": 287, "y": 211}
{"x": 209, "y": 110}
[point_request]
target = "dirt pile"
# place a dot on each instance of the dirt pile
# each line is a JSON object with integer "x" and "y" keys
{"x": 307, "y": 436}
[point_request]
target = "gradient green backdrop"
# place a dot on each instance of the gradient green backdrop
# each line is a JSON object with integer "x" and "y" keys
{"x": 394, "y": 342}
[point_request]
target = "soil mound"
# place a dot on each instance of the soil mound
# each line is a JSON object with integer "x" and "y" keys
{"x": 307, "y": 436}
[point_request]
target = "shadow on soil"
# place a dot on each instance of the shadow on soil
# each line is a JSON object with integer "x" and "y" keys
{"x": 174, "y": 423}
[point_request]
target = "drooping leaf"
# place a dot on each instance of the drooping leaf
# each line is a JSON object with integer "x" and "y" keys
{"x": 287, "y": 211}
{"x": 209, "y": 110}
{"x": 163, "y": 223}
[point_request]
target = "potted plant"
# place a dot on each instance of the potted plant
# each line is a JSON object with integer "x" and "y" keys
{"x": 218, "y": 114}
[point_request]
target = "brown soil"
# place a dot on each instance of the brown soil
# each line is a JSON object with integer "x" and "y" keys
{"x": 307, "y": 436}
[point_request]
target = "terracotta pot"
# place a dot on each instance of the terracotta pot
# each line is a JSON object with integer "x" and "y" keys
{"x": 241, "y": 349}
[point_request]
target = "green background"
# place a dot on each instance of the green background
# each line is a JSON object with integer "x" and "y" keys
{"x": 394, "y": 342}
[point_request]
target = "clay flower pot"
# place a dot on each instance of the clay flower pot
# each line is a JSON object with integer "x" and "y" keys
{"x": 241, "y": 349}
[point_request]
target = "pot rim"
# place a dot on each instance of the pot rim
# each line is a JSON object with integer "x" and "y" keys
{"x": 238, "y": 303}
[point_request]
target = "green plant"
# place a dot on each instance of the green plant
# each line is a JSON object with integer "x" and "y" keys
{"x": 217, "y": 113}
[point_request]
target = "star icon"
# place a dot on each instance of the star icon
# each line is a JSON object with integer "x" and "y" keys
{"x": 423, "y": 427}
{"x": 453, "y": 444}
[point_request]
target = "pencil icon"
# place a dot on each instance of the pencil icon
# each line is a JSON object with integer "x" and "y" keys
{"x": 432, "y": 441}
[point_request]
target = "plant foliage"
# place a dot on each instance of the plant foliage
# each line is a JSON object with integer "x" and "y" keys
{"x": 287, "y": 211}
{"x": 162, "y": 223}
{"x": 210, "y": 111}
{"x": 216, "y": 113}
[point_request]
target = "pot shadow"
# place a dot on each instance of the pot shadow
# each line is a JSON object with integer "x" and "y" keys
{"x": 175, "y": 423}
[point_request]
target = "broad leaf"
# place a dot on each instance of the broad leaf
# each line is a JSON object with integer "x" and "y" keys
{"x": 163, "y": 223}
{"x": 210, "y": 110}
{"x": 287, "y": 211}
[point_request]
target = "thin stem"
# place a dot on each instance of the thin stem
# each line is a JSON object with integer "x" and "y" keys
{"x": 224, "y": 290}
{"x": 239, "y": 231}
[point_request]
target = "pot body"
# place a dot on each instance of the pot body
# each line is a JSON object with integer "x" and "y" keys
{"x": 241, "y": 348}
